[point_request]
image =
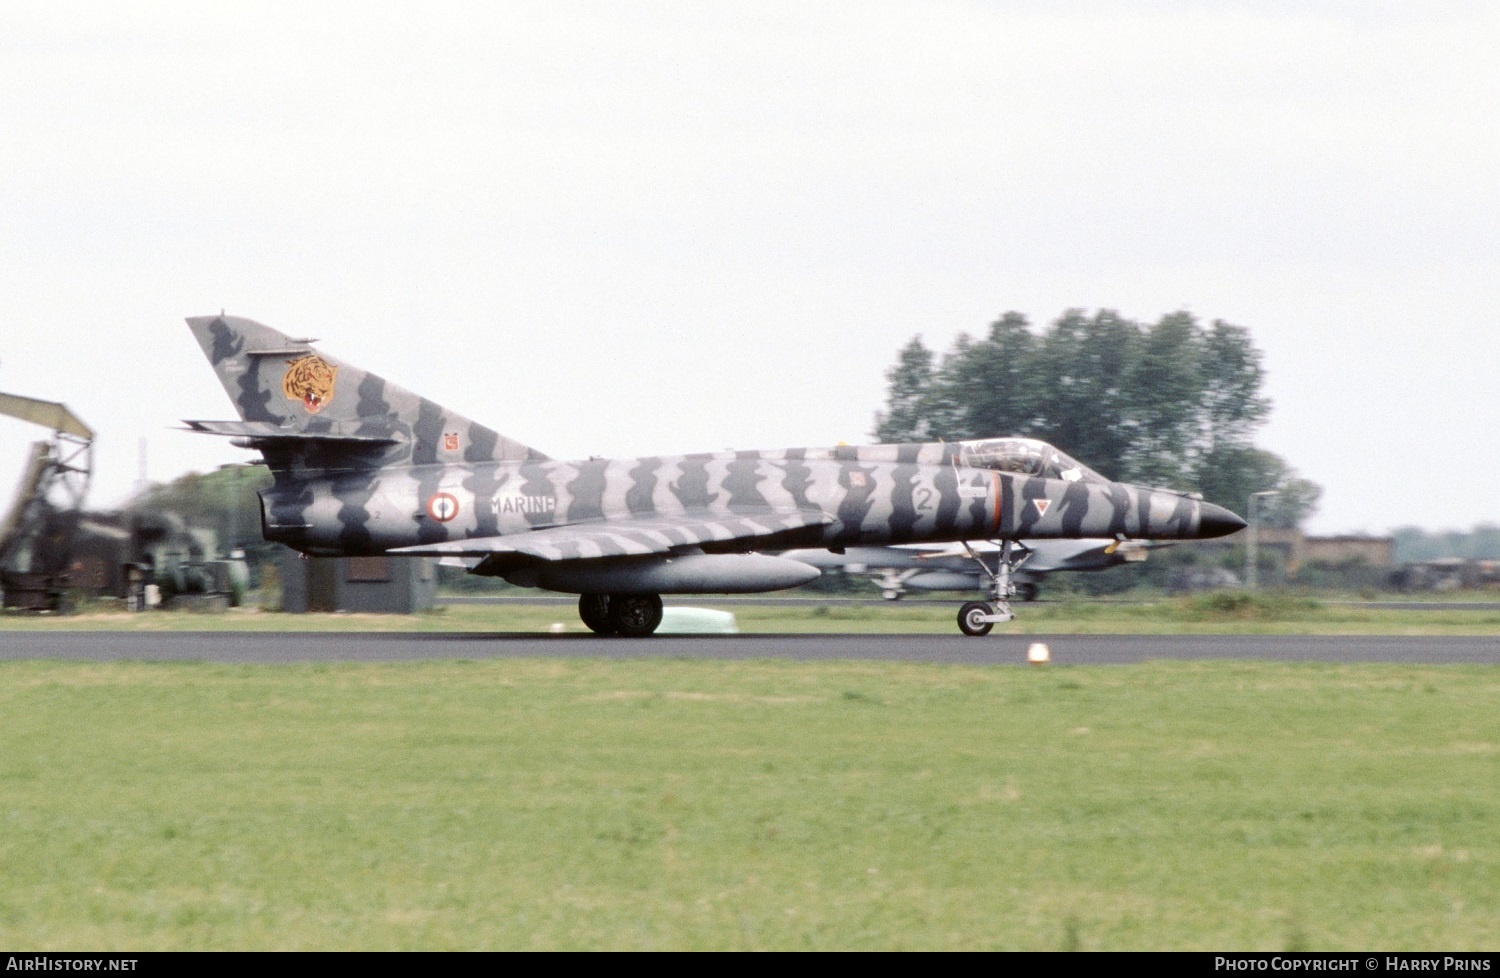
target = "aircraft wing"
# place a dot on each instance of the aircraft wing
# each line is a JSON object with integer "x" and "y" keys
{"x": 899, "y": 557}
{"x": 630, "y": 537}
{"x": 1046, "y": 555}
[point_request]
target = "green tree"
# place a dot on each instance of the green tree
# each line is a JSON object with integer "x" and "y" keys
{"x": 1231, "y": 376}
{"x": 1296, "y": 499}
{"x": 223, "y": 501}
{"x": 1416, "y": 544}
{"x": 1231, "y": 475}
{"x": 1166, "y": 395}
{"x": 991, "y": 385}
{"x": 910, "y": 389}
{"x": 1081, "y": 387}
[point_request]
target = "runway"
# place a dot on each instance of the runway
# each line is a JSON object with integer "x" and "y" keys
{"x": 289, "y": 647}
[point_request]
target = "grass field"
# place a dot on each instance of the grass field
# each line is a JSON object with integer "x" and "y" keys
{"x": 655, "y": 804}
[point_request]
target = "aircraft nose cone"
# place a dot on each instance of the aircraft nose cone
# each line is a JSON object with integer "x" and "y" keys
{"x": 1216, "y": 521}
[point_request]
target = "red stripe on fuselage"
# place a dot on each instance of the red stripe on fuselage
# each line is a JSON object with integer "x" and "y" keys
{"x": 996, "y": 477}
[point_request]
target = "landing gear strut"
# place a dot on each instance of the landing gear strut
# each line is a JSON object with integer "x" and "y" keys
{"x": 978, "y": 617}
{"x": 626, "y": 615}
{"x": 594, "y": 610}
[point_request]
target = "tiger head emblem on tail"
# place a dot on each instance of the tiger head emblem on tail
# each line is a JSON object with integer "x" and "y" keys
{"x": 310, "y": 379}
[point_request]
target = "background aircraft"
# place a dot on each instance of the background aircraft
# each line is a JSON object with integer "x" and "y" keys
{"x": 361, "y": 466}
{"x": 934, "y": 567}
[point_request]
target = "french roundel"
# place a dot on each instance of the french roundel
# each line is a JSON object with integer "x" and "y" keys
{"x": 443, "y": 506}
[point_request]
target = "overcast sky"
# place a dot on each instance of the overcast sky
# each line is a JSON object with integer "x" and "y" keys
{"x": 624, "y": 229}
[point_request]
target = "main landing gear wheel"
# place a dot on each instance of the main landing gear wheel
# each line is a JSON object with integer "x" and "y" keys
{"x": 594, "y": 610}
{"x": 971, "y": 618}
{"x": 634, "y": 615}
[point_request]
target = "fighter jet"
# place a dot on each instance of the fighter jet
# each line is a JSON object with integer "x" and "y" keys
{"x": 363, "y": 467}
{"x": 947, "y": 567}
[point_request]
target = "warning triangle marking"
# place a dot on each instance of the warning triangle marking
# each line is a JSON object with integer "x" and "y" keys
{"x": 1041, "y": 506}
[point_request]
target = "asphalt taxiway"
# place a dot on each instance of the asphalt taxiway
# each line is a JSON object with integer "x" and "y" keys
{"x": 283, "y": 647}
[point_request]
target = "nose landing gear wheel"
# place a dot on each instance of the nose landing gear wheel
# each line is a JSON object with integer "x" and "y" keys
{"x": 634, "y": 615}
{"x": 594, "y": 610}
{"x": 978, "y": 617}
{"x": 971, "y": 618}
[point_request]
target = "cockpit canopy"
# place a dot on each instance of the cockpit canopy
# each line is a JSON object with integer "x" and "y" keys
{"x": 1026, "y": 456}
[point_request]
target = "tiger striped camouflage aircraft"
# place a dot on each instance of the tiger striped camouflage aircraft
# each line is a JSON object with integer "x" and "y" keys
{"x": 363, "y": 467}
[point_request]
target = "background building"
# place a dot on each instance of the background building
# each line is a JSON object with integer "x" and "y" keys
{"x": 380, "y": 585}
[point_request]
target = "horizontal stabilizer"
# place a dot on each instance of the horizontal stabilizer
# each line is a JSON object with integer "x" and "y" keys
{"x": 264, "y": 431}
{"x": 633, "y": 537}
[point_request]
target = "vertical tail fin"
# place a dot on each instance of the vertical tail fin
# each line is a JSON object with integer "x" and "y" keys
{"x": 282, "y": 385}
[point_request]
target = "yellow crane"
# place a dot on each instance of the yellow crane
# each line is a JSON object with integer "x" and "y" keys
{"x": 36, "y": 532}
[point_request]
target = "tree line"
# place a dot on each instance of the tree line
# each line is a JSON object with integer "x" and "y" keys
{"x": 1415, "y": 544}
{"x": 1172, "y": 403}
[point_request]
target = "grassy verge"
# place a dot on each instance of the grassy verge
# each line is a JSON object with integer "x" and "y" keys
{"x": 654, "y": 804}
